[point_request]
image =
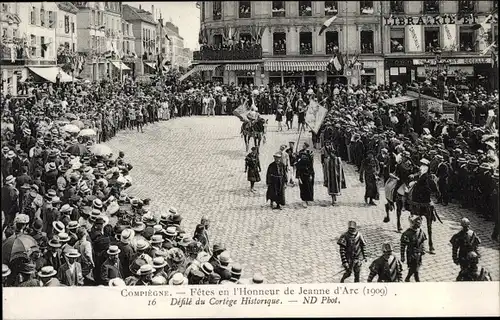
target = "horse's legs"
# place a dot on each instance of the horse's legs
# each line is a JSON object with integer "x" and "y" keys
{"x": 247, "y": 140}
{"x": 399, "y": 208}
{"x": 428, "y": 217}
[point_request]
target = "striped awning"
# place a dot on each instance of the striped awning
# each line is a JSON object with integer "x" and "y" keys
{"x": 295, "y": 65}
{"x": 242, "y": 67}
{"x": 206, "y": 67}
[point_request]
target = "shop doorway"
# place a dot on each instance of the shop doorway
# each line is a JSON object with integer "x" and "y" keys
{"x": 245, "y": 80}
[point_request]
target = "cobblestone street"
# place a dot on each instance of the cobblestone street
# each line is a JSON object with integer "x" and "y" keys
{"x": 197, "y": 165}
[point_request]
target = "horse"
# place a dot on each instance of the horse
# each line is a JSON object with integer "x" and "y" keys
{"x": 253, "y": 129}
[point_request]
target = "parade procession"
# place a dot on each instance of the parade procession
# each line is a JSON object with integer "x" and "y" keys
{"x": 175, "y": 169}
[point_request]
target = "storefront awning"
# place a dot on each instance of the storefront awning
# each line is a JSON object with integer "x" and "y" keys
{"x": 120, "y": 65}
{"x": 50, "y": 73}
{"x": 295, "y": 65}
{"x": 397, "y": 100}
{"x": 242, "y": 67}
{"x": 150, "y": 64}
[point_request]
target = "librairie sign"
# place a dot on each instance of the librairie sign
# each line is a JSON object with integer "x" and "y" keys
{"x": 429, "y": 20}
{"x": 455, "y": 61}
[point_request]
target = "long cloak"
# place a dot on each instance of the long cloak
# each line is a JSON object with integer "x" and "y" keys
{"x": 276, "y": 179}
{"x": 305, "y": 172}
{"x": 334, "y": 178}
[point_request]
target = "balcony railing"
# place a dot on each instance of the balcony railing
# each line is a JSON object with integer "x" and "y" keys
{"x": 246, "y": 53}
{"x": 279, "y": 13}
{"x": 279, "y": 51}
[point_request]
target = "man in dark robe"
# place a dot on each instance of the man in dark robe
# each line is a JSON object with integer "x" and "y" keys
{"x": 305, "y": 173}
{"x": 276, "y": 179}
{"x": 334, "y": 178}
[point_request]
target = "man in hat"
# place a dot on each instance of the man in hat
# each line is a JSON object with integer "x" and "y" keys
{"x": 463, "y": 242}
{"x": 386, "y": 267}
{"x": 126, "y": 251}
{"x": 412, "y": 244}
{"x": 276, "y": 179}
{"x": 84, "y": 247}
{"x": 70, "y": 273}
{"x": 159, "y": 264}
{"x": 201, "y": 233}
{"x": 10, "y": 199}
{"x": 27, "y": 276}
{"x": 223, "y": 268}
{"x": 473, "y": 272}
{"x": 352, "y": 251}
{"x": 236, "y": 273}
{"x": 37, "y": 234}
{"x": 47, "y": 276}
{"x": 443, "y": 174}
{"x": 53, "y": 255}
{"x": 305, "y": 173}
{"x": 111, "y": 268}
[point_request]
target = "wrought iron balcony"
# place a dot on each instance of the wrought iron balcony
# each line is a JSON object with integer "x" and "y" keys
{"x": 245, "y": 53}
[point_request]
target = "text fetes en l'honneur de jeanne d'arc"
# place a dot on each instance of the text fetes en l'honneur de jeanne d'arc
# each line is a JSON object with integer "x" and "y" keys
{"x": 245, "y": 296}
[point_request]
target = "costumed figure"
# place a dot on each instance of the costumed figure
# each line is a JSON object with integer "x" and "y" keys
{"x": 368, "y": 173}
{"x": 412, "y": 245}
{"x": 352, "y": 251}
{"x": 334, "y": 178}
{"x": 473, "y": 272}
{"x": 252, "y": 167}
{"x": 276, "y": 179}
{"x": 464, "y": 242}
{"x": 386, "y": 267}
{"x": 305, "y": 173}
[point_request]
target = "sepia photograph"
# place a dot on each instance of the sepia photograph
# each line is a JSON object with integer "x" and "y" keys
{"x": 143, "y": 144}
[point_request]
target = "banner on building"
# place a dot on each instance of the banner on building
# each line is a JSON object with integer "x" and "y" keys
{"x": 429, "y": 104}
{"x": 450, "y": 37}
{"x": 315, "y": 115}
{"x": 414, "y": 34}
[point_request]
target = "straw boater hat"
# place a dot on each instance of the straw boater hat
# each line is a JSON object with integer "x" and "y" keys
{"x": 5, "y": 271}
{"x": 158, "y": 281}
{"x": 142, "y": 245}
{"x": 127, "y": 235}
{"x": 113, "y": 250}
{"x": 47, "y": 272}
{"x": 145, "y": 270}
{"x": 58, "y": 226}
{"x": 178, "y": 279}
{"x": 73, "y": 253}
{"x": 159, "y": 262}
{"x": 207, "y": 268}
{"x": 63, "y": 237}
{"x": 157, "y": 239}
{"x": 72, "y": 225}
{"x": 116, "y": 282}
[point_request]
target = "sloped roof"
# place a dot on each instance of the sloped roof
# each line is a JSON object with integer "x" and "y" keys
{"x": 135, "y": 14}
{"x": 67, "y": 6}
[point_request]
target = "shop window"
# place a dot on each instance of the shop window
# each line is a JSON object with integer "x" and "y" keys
{"x": 42, "y": 43}
{"x": 368, "y": 76}
{"x": 366, "y": 7}
{"x": 467, "y": 41}
{"x": 279, "y": 43}
{"x": 466, "y": 6}
{"x": 332, "y": 42}
{"x": 217, "y": 10}
{"x": 367, "y": 41}
{"x": 397, "y": 40}
{"x": 305, "y": 8}
{"x": 431, "y": 38}
{"x": 431, "y": 6}
{"x": 278, "y": 8}
{"x": 331, "y": 8}
{"x": 217, "y": 41}
{"x": 305, "y": 43}
{"x": 245, "y": 9}
{"x": 397, "y": 7}
{"x": 33, "y": 45}
{"x": 52, "y": 20}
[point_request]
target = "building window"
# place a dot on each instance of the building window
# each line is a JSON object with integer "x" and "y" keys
{"x": 367, "y": 41}
{"x": 279, "y": 43}
{"x": 33, "y": 15}
{"x": 368, "y": 76}
{"x": 217, "y": 41}
{"x": 66, "y": 24}
{"x": 331, "y": 8}
{"x": 42, "y": 17}
{"x": 278, "y": 8}
{"x": 245, "y": 9}
{"x": 467, "y": 39}
{"x": 366, "y": 7}
{"x": 305, "y": 8}
{"x": 42, "y": 42}
{"x": 72, "y": 27}
{"x": 73, "y": 47}
{"x": 202, "y": 10}
{"x": 33, "y": 45}
{"x": 397, "y": 7}
{"x": 332, "y": 42}
{"x": 431, "y": 6}
{"x": 397, "y": 40}
{"x": 431, "y": 38}
{"x": 217, "y": 10}
{"x": 52, "y": 20}
{"x": 305, "y": 43}
{"x": 466, "y": 6}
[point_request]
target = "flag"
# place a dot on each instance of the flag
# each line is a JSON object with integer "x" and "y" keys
{"x": 326, "y": 24}
{"x": 338, "y": 61}
{"x": 101, "y": 28}
{"x": 491, "y": 46}
{"x": 45, "y": 46}
{"x": 166, "y": 36}
{"x": 485, "y": 25}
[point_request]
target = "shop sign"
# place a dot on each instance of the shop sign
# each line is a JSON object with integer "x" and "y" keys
{"x": 399, "y": 62}
{"x": 429, "y": 20}
{"x": 454, "y": 61}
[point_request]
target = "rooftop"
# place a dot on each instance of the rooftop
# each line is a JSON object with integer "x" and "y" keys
{"x": 135, "y": 14}
{"x": 67, "y": 6}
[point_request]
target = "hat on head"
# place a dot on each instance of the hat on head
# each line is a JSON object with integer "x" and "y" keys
{"x": 139, "y": 226}
{"x": 47, "y": 272}
{"x": 203, "y": 257}
{"x": 178, "y": 279}
{"x": 55, "y": 242}
{"x": 387, "y": 247}
{"x": 63, "y": 237}
{"x": 38, "y": 224}
{"x": 11, "y": 154}
{"x": 485, "y": 166}
{"x": 97, "y": 204}
{"x": 207, "y": 268}
{"x": 258, "y": 278}
{"x": 145, "y": 270}
{"x": 465, "y": 222}
{"x": 171, "y": 232}
{"x": 236, "y": 269}
{"x": 185, "y": 241}
{"x": 277, "y": 155}
{"x": 159, "y": 262}
{"x": 158, "y": 281}
{"x": 425, "y": 162}
{"x": 142, "y": 245}
{"x": 439, "y": 157}
{"x": 406, "y": 153}
{"x": 218, "y": 248}
{"x": 6, "y": 270}
{"x": 225, "y": 257}
{"x": 10, "y": 180}
{"x": 66, "y": 208}
{"x": 461, "y": 160}
{"x": 58, "y": 226}
{"x": 72, "y": 225}
{"x": 113, "y": 250}
{"x": 127, "y": 235}
{"x": 158, "y": 228}
{"x": 157, "y": 238}
{"x": 22, "y": 218}
{"x": 28, "y": 268}
{"x": 72, "y": 253}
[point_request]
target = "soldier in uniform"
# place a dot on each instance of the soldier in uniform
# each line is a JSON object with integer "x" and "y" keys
{"x": 463, "y": 242}
{"x": 412, "y": 243}
{"x": 386, "y": 267}
{"x": 473, "y": 272}
{"x": 352, "y": 251}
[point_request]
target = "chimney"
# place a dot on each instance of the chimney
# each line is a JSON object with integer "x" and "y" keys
{"x": 153, "y": 12}
{"x": 140, "y": 7}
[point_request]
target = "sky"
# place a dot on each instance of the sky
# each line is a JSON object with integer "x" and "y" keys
{"x": 184, "y": 15}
